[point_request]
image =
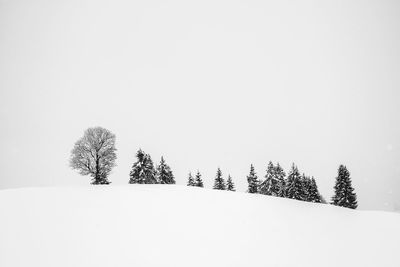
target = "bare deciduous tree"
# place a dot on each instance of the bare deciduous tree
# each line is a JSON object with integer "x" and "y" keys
{"x": 94, "y": 154}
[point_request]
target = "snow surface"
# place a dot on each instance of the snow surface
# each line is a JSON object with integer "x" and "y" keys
{"x": 165, "y": 225}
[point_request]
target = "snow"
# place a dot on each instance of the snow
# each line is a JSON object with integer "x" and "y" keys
{"x": 169, "y": 225}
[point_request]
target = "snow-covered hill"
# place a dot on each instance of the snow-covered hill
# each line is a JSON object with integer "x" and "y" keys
{"x": 162, "y": 225}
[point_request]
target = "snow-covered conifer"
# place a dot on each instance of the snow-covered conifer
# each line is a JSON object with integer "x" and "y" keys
{"x": 230, "y": 186}
{"x": 252, "y": 179}
{"x": 269, "y": 184}
{"x": 219, "y": 182}
{"x": 294, "y": 187}
{"x": 199, "y": 181}
{"x": 344, "y": 191}
{"x": 190, "y": 180}
{"x": 143, "y": 171}
{"x": 164, "y": 173}
{"x": 306, "y": 187}
{"x": 313, "y": 193}
{"x": 280, "y": 177}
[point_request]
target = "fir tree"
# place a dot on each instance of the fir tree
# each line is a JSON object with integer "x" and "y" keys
{"x": 190, "y": 180}
{"x": 280, "y": 177}
{"x": 252, "y": 179}
{"x": 219, "y": 182}
{"x": 199, "y": 181}
{"x": 267, "y": 187}
{"x": 294, "y": 187}
{"x": 306, "y": 187}
{"x": 164, "y": 173}
{"x": 230, "y": 186}
{"x": 313, "y": 194}
{"x": 344, "y": 192}
{"x": 143, "y": 171}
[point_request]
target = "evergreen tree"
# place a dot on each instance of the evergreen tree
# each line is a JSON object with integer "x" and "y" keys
{"x": 313, "y": 194}
{"x": 294, "y": 187}
{"x": 280, "y": 177}
{"x": 199, "y": 181}
{"x": 252, "y": 179}
{"x": 267, "y": 187}
{"x": 306, "y": 187}
{"x": 344, "y": 192}
{"x": 219, "y": 182}
{"x": 230, "y": 186}
{"x": 143, "y": 171}
{"x": 164, "y": 173}
{"x": 190, "y": 180}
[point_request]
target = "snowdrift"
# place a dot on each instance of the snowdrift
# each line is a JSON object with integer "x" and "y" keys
{"x": 166, "y": 225}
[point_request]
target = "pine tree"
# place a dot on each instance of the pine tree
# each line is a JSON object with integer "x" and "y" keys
{"x": 230, "y": 186}
{"x": 190, "y": 180}
{"x": 344, "y": 192}
{"x": 219, "y": 182}
{"x": 294, "y": 187}
{"x": 313, "y": 194}
{"x": 252, "y": 179}
{"x": 143, "y": 171}
{"x": 280, "y": 177}
{"x": 199, "y": 181}
{"x": 164, "y": 173}
{"x": 306, "y": 187}
{"x": 268, "y": 185}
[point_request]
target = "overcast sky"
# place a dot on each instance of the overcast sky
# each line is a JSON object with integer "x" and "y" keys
{"x": 207, "y": 84}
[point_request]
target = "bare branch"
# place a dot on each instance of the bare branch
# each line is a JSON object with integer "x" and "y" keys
{"x": 94, "y": 154}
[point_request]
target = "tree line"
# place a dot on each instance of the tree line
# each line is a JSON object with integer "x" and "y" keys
{"x": 94, "y": 154}
{"x": 275, "y": 183}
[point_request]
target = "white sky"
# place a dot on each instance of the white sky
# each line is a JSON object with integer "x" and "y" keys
{"x": 207, "y": 84}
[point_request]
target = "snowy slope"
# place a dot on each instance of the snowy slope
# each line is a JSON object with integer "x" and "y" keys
{"x": 161, "y": 225}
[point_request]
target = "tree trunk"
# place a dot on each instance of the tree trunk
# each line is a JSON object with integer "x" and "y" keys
{"x": 97, "y": 178}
